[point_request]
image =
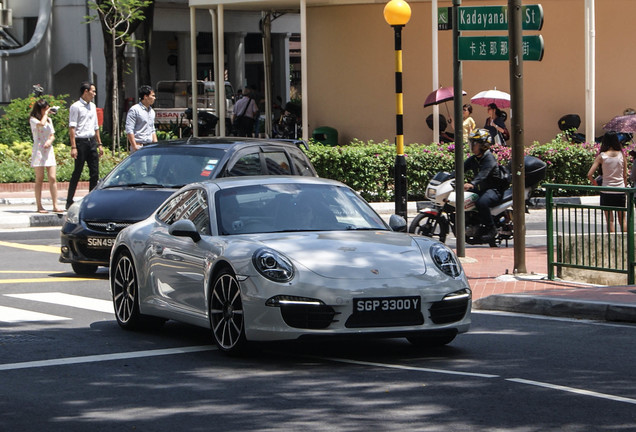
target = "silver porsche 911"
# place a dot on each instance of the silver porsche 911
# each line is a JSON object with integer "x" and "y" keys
{"x": 274, "y": 258}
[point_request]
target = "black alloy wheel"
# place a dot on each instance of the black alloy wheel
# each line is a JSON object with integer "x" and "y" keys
{"x": 227, "y": 319}
{"x": 429, "y": 226}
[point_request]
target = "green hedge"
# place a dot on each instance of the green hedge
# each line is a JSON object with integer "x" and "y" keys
{"x": 15, "y": 163}
{"x": 368, "y": 167}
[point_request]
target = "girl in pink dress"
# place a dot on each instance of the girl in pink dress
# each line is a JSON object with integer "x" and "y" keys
{"x": 43, "y": 155}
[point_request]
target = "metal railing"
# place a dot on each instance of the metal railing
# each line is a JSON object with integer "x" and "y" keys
{"x": 583, "y": 236}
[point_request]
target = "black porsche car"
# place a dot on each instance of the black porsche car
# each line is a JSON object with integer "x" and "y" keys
{"x": 141, "y": 182}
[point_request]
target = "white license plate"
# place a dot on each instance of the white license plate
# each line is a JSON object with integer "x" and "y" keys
{"x": 387, "y": 304}
{"x": 100, "y": 242}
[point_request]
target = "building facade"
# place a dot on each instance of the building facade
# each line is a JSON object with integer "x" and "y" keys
{"x": 349, "y": 54}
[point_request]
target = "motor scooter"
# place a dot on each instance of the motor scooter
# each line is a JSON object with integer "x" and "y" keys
{"x": 436, "y": 216}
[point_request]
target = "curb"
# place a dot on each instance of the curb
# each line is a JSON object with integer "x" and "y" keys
{"x": 47, "y": 220}
{"x": 558, "y": 307}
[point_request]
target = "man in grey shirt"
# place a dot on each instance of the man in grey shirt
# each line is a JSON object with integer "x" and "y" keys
{"x": 140, "y": 121}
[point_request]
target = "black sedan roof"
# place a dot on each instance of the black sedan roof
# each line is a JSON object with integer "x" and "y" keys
{"x": 221, "y": 142}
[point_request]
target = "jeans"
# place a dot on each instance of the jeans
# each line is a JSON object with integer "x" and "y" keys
{"x": 490, "y": 198}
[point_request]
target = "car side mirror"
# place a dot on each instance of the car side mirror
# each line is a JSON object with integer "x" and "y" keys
{"x": 185, "y": 228}
{"x": 397, "y": 223}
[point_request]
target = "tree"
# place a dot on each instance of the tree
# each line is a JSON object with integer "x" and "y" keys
{"x": 119, "y": 19}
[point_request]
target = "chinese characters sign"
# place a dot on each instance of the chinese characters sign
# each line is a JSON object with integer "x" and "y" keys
{"x": 496, "y": 48}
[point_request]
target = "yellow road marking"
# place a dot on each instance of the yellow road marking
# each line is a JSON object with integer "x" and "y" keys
{"x": 28, "y": 271}
{"x": 35, "y": 248}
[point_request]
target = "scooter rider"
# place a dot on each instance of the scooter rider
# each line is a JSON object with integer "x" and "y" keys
{"x": 487, "y": 182}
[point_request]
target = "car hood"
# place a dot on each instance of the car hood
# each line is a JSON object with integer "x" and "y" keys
{"x": 122, "y": 204}
{"x": 352, "y": 254}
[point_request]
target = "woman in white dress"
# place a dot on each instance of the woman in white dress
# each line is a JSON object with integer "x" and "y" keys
{"x": 43, "y": 155}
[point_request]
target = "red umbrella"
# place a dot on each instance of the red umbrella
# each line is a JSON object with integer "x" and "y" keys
{"x": 442, "y": 94}
{"x": 625, "y": 123}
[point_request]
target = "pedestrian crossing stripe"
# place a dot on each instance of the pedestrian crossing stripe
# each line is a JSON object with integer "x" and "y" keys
{"x": 49, "y": 280}
{"x": 70, "y": 300}
{"x": 35, "y": 248}
{"x": 13, "y": 315}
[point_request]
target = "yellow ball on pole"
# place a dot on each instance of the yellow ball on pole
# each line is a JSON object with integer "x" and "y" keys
{"x": 397, "y": 12}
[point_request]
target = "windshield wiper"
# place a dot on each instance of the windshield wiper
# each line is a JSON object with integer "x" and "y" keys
{"x": 139, "y": 185}
{"x": 354, "y": 228}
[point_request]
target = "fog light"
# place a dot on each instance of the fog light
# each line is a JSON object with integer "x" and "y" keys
{"x": 284, "y": 300}
{"x": 458, "y": 295}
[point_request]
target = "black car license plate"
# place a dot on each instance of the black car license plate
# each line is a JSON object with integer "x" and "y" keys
{"x": 386, "y": 311}
{"x": 100, "y": 242}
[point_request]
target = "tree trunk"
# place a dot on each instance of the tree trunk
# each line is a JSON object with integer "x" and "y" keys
{"x": 143, "y": 55}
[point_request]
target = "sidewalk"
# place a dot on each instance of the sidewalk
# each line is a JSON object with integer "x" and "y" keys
{"x": 490, "y": 271}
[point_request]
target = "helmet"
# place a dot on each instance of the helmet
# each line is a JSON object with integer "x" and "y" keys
{"x": 481, "y": 136}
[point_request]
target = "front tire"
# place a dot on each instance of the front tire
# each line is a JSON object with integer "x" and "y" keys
{"x": 430, "y": 226}
{"x": 84, "y": 269}
{"x": 433, "y": 340}
{"x": 227, "y": 319}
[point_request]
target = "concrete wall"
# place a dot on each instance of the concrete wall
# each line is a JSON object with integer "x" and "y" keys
{"x": 351, "y": 69}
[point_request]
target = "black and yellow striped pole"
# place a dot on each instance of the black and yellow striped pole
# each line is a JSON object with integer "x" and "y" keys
{"x": 397, "y": 13}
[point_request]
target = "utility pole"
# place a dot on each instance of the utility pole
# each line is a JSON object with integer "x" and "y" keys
{"x": 517, "y": 134}
{"x": 460, "y": 217}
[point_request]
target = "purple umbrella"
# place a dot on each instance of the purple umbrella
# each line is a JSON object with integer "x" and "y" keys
{"x": 442, "y": 94}
{"x": 624, "y": 123}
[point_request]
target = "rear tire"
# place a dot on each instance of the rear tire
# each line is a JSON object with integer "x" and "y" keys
{"x": 430, "y": 226}
{"x": 125, "y": 291}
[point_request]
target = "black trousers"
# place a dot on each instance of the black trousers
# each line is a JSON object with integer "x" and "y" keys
{"x": 490, "y": 198}
{"x": 88, "y": 154}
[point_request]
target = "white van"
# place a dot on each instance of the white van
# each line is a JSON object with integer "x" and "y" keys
{"x": 174, "y": 97}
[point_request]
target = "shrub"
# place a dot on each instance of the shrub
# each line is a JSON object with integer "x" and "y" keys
{"x": 14, "y": 124}
{"x": 15, "y": 163}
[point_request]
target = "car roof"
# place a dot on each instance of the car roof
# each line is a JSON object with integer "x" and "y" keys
{"x": 232, "y": 182}
{"x": 225, "y": 142}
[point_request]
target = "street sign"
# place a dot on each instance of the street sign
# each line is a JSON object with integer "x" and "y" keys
{"x": 496, "y": 48}
{"x": 496, "y": 17}
{"x": 444, "y": 21}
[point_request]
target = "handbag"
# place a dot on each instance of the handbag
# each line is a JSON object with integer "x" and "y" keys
{"x": 505, "y": 134}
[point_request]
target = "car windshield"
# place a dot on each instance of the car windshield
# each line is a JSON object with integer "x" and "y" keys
{"x": 170, "y": 167}
{"x": 293, "y": 207}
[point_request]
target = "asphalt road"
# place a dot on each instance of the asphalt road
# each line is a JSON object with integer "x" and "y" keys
{"x": 74, "y": 369}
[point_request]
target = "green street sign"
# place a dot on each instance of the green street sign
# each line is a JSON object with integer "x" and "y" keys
{"x": 444, "y": 18}
{"x": 496, "y": 48}
{"x": 496, "y": 17}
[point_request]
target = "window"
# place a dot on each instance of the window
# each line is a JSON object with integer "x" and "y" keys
{"x": 277, "y": 163}
{"x": 247, "y": 165}
{"x": 191, "y": 204}
{"x": 302, "y": 166}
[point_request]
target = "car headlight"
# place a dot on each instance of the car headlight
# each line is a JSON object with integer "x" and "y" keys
{"x": 273, "y": 265}
{"x": 445, "y": 260}
{"x": 72, "y": 214}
